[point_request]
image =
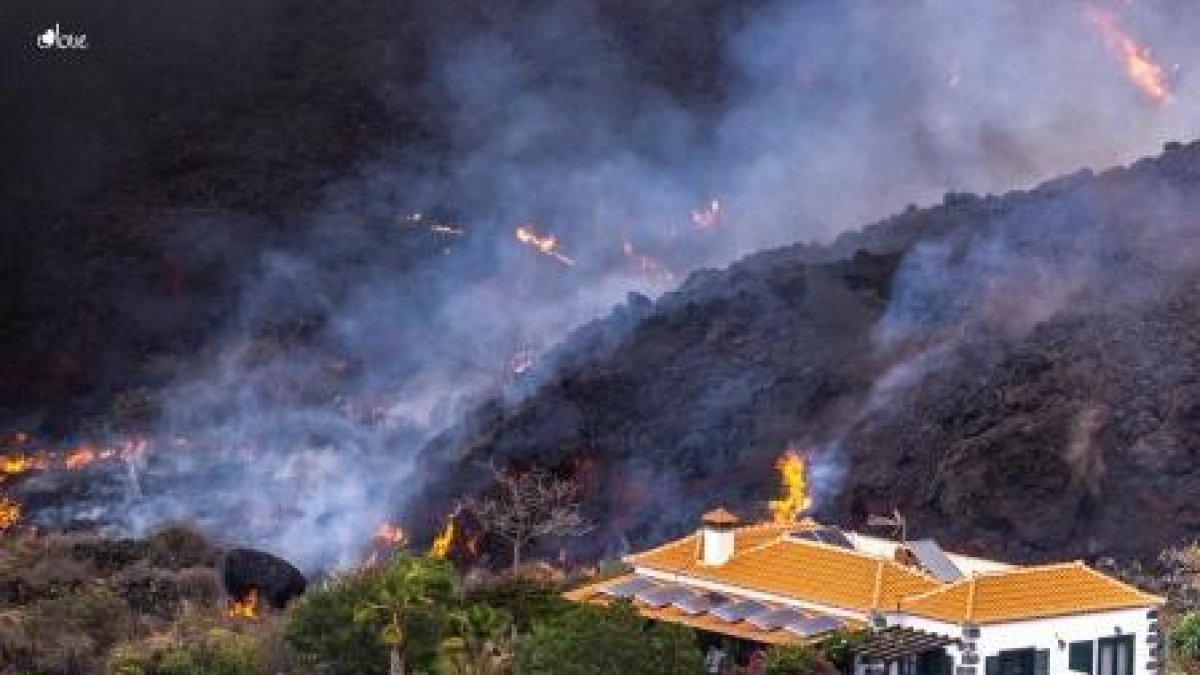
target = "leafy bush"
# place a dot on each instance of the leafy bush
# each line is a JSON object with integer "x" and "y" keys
{"x": 839, "y": 648}
{"x": 588, "y": 640}
{"x": 323, "y": 630}
{"x": 1185, "y": 637}
{"x": 798, "y": 660}
{"x": 527, "y": 600}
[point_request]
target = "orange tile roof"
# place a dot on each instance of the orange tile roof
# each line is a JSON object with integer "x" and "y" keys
{"x": 1027, "y": 593}
{"x": 767, "y": 561}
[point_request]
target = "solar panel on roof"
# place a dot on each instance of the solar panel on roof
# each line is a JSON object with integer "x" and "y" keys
{"x": 934, "y": 560}
{"x": 737, "y": 611}
{"x": 772, "y": 619}
{"x": 663, "y": 595}
{"x": 629, "y": 587}
{"x": 698, "y": 603}
{"x": 809, "y": 626}
{"x": 826, "y": 535}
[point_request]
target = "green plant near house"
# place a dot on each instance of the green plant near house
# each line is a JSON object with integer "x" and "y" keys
{"x": 798, "y": 660}
{"x": 409, "y": 604}
{"x": 1185, "y": 638}
{"x": 588, "y": 640}
{"x": 527, "y": 600}
{"x": 324, "y": 633}
{"x": 840, "y": 647}
{"x": 482, "y": 642}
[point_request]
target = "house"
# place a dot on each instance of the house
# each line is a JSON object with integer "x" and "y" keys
{"x": 926, "y": 611}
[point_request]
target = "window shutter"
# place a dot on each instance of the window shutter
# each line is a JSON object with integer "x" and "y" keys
{"x": 991, "y": 665}
{"x": 1041, "y": 662}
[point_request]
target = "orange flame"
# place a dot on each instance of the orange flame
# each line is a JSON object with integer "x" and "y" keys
{"x": 547, "y": 244}
{"x": 443, "y": 542}
{"x": 1145, "y": 73}
{"x": 245, "y": 608}
{"x": 18, "y": 464}
{"x": 10, "y": 514}
{"x": 793, "y": 474}
{"x": 81, "y": 457}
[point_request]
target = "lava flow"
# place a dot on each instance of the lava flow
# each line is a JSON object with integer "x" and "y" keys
{"x": 1141, "y": 68}
{"x": 547, "y": 244}
{"x": 793, "y": 473}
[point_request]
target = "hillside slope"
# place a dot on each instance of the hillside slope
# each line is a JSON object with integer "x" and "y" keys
{"x": 1019, "y": 375}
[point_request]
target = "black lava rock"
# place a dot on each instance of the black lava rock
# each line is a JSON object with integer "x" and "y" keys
{"x": 276, "y": 580}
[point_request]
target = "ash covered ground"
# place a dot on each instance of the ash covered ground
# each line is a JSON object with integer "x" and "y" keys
{"x": 291, "y": 272}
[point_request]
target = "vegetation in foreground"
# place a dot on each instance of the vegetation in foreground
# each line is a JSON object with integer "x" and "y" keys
{"x": 77, "y": 604}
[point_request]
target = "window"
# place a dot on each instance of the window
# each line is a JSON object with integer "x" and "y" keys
{"x": 1019, "y": 662}
{"x": 1079, "y": 657}
{"x": 934, "y": 662}
{"x": 1116, "y": 656}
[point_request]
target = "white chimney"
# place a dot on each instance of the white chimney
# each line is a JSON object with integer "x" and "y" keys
{"x": 717, "y": 537}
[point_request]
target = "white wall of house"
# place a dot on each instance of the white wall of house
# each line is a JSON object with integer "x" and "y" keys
{"x": 1054, "y": 634}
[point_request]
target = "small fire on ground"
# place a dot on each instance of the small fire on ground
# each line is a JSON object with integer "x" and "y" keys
{"x": 445, "y": 540}
{"x": 246, "y": 607}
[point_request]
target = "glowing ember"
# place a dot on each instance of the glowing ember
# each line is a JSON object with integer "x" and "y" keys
{"x": 793, "y": 473}
{"x": 10, "y": 514}
{"x": 18, "y": 464}
{"x": 547, "y": 244}
{"x": 443, "y": 542}
{"x": 390, "y": 535}
{"x": 1145, "y": 73}
{"x": 245, "y": 608}
{"x": 81, "y": 457}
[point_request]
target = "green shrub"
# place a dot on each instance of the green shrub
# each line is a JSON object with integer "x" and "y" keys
{"x": 798, "y": 660}
{"x": 527, "y": 600}
{"x": 1185, "y": 636}
{"x": 587, "y": 640}
{"x": 323, "y": 631}
{"x": 839, "y": 648}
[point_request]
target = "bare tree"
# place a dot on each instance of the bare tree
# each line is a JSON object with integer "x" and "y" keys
{"x": 527, "y": 506}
